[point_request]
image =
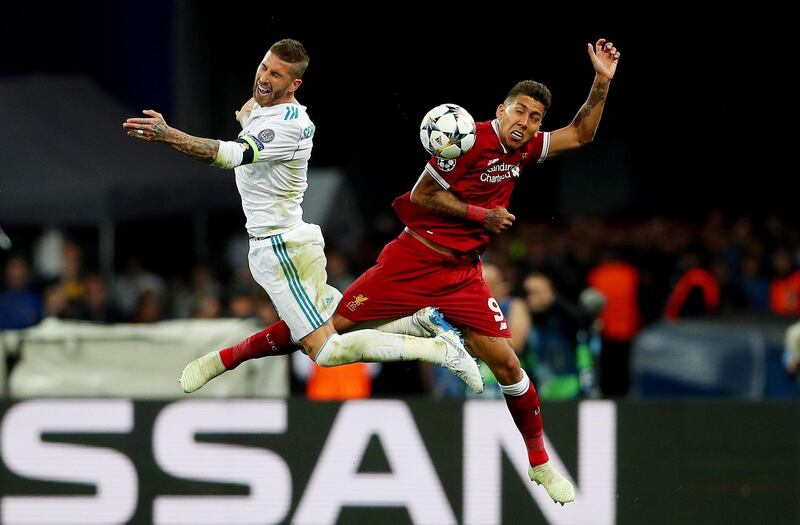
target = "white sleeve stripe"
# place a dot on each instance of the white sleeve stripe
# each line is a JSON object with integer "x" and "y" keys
{"x": 545, "y": 147}
{"x": 438, "y": 178}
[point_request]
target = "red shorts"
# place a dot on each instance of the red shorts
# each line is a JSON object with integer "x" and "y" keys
{"x": 409, "y": 276}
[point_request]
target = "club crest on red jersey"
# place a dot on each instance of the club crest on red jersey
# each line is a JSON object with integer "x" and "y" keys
{"x": 446, "y": 164}
{"x": 357, "y": 301}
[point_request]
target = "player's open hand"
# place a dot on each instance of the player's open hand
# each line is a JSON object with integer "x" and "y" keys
{"x": 243, "y": 114}
{"x": 152, "y": 129}
{"x": 604, "y": 58}
{"x": 498, "y": 220}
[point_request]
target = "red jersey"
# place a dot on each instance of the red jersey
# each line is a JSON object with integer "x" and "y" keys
{"x": 484, "y": 176}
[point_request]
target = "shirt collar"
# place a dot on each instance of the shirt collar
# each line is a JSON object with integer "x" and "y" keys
{"x": 496, "y": 128}
{"x": 277, "y": 108}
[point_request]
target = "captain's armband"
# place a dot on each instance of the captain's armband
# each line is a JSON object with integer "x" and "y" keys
{"x": 235, "y": 153}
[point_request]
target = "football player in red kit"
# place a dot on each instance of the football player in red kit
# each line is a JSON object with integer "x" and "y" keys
{"x": 450, "y": 217}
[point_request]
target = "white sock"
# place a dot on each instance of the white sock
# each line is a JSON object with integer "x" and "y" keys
{"x": 375, "y": 346}
{"x": 517, "y": 389}
{"x": 404, "y": 325}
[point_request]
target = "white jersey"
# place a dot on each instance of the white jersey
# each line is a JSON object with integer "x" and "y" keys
{"x": 272, "y": 187}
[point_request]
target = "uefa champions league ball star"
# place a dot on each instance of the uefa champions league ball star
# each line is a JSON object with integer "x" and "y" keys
{"x": 447, "y": 131}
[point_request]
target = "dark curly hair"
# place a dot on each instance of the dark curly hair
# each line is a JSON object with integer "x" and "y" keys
{"x": 533, "y": 89}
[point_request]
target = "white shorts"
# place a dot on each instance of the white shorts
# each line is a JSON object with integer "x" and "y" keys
{"x": 291, "y": 268}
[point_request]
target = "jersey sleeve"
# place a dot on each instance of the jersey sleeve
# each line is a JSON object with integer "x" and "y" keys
{"x": 538, "y": 147}
{"x": 271, "y": 140}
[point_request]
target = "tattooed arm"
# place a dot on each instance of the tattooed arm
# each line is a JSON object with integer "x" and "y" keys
{"x": 581, "y": 131}
{"x": 431, "y": 195}
{"x": 155, "y": 129}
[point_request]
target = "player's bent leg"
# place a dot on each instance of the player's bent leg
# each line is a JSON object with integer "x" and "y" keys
{"x": 523, "y": 404}
{"x": 274, "y": 340}
{"x": 426, "y": 322}
{"x": 444, "y": 349}
{"x": 431, "y": 321}
{"x": 498, "y": 354}
{"x": 200, "y": 371}
{"x": 315, "y": 341}
{"x": 342, "y": 324}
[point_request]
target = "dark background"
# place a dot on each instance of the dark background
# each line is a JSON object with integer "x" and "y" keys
{"x": 694, "y": 118}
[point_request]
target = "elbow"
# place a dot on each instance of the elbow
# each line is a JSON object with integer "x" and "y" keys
{"x": 583, "y": 139}
{"x": 575, "y": 136}
{"x": 416, "y": 197}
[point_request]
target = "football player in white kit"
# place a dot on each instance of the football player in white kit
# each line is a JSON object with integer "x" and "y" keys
{"x": 270, "y": 159}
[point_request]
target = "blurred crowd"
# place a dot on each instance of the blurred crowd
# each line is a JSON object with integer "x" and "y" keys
{"x": 59, "y": 283}
{"x": 575, "y": 292}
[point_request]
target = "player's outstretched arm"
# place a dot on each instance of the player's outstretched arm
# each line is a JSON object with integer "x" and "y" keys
{"x": 604, "y": 57}
{"x": 154, "y": 128}
{"x": 431, "y": 195}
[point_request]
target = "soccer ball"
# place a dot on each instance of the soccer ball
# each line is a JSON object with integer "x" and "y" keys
{"x": 447, "y": 131}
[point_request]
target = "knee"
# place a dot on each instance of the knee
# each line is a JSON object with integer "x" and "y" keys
{"x": 314, "y": 342}
{"x": 335, "y": 351}
{"x": 326, "y": 354}
{"x": 507, "y": 370}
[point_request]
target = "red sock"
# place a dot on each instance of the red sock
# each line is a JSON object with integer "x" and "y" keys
{"x": 528, "y": 418}
{"x": 275, "y": 339}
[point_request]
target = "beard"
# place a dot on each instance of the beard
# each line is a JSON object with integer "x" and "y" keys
{"x": 273, "y": 95}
